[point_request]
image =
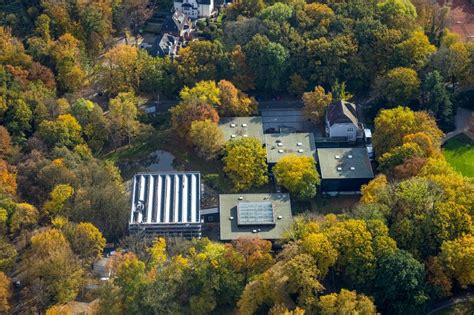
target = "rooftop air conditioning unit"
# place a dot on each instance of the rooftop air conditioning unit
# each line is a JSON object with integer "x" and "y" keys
{"x": 353, "y": 168}
{"x": 339, "y": 168}
{"x": 232, "y": 136}
{"x": 300, "y": 150}
{"x": 338, "y": 157}
{"x": 280, "y": 217}
{"x": 231, "y": 218}
{"x": 232, "y": 125}
{"x": 244, "y": 125}
{"x": 279, "y": 144}
{"x": 349, "y": 156}
{"x": 241, "y": 198}
{"x": 280, "y": 151}
{"x": 299, "y": 144}
{"x": 245, "y": 135}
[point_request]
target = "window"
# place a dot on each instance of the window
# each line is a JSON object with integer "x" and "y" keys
{"x": 350, "y": 129}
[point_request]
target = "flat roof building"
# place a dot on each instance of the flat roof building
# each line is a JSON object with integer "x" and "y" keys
{"x": 344, "y": 169}
{"x": 265, "y": 216}
{"x": 279, "y": 145}
{"x": 167, "y": 203}
{"x": 238, "y": 127}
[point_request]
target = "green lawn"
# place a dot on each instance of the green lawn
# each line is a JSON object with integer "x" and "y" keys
{"x": 459, "y": 152}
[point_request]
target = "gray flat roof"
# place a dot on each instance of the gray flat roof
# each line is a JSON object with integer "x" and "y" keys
{"x": 230, "y": 229}
{"x": 279, "y": 145}
{"x": 166, "y": 198}
{"x": 237, "y": 127}
{"x": 344, "y": 163}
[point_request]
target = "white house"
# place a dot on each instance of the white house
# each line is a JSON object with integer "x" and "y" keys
{"x": 342, "y": 121}
{"x": 195, "y": 8}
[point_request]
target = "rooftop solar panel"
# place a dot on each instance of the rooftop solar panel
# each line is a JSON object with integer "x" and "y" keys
{"x": 255, "y": 213}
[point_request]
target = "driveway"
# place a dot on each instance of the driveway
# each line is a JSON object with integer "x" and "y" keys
{"x": 462, "y": 120}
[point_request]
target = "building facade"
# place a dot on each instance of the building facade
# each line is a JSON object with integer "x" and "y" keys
{"x": 195, "y": 8}
{"x": 342, "y": 121}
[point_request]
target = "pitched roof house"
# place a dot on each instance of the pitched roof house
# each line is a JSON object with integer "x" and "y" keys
{"x": 342, "y": 121}
{"x": 195, "y": 8}
{"x": 178, "y": 25}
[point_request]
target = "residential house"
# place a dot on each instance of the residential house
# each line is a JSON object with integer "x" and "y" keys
{"x": 166, "y": 45}
{"x": 178, "y": 25}
{"x": 342, "y": 121}
{"x": 195, "y": 8}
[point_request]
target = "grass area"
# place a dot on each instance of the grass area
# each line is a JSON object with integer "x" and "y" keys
{"x": 459, "y": 152}
{"x": 463, "y": 308}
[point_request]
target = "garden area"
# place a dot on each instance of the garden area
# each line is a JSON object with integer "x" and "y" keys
{"x": 459, "y": 152}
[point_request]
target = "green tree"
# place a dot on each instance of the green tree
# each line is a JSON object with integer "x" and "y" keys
{"x": 268, "y": 60}
{"x": 298, "y": 175}
{"x": 8, "y": 255}
{"x": 437, "y": 99}
{"x": 399, "y": 284}
{"x": 245, "y": 163}
{"x": 207, "y": 138}
{"x": 18, "y": 118}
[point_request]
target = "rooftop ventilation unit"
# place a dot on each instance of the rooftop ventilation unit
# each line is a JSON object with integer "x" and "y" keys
{"x": 349, "y": 156}
{"x": 353, "y": 168}
{"x": 339, "y": 168}
{"x": 233, "y": 125}
{"x": 300, "y": 151}
{"x": 232, "y": 136}
{"x": 241, "y": 198}
{"x": 279, "y": 217}
{"x": 254, "y": 231}
{"x": 299, "y": 144}
{"x": 338, "y": 157}
{"x": 279, "y": 144}
{"x": 231, "y": 218}
{"x": 244, "y": 125}
{"x": 245, "y": 135}
{"x": 280, "y": 151}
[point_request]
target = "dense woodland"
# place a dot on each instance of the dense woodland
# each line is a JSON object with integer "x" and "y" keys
{"x": 406, "y": 245}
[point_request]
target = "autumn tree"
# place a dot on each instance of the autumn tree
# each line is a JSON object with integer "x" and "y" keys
{"x": 5, "y": 293}
{"x": 7, "y": 179}
{"x": 57, "y": 198}
{"x": 207, "y": 138}
{"x": 64, "y": 131}
{"x": 315, "y": 103}
{"x": 119, "y": 69}
{"x": 184, "y": 114}
{"x": 6, "y": 148}
{"x": 297, "y": 85}
{"x": 457, "y": 256}
{"x": 245, "y": 163}
{"x": 8, "y": 255}
{"x": 205, "y": 92}
{"x": 399, "y": 86}
{"x": 250, "y": 256}
{"x": 391, "y": 125}
{"x": 54, "y": 275}
{"x": 86, "y": 241}
{"x": 414, "y": 52}
{"x": 346, "y": 301}
{"x": 25, "y": 216}
{"x": 321, "y": 250}
{"x": 298, "y": 175}
{"x": 234, "y": 102}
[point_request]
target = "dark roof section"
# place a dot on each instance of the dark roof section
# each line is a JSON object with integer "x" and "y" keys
{"x": 175, "y": 23}
{"x": 206, "y": 2}
{"x": 342, "y": 112}
{"x": 165, "y": 46}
